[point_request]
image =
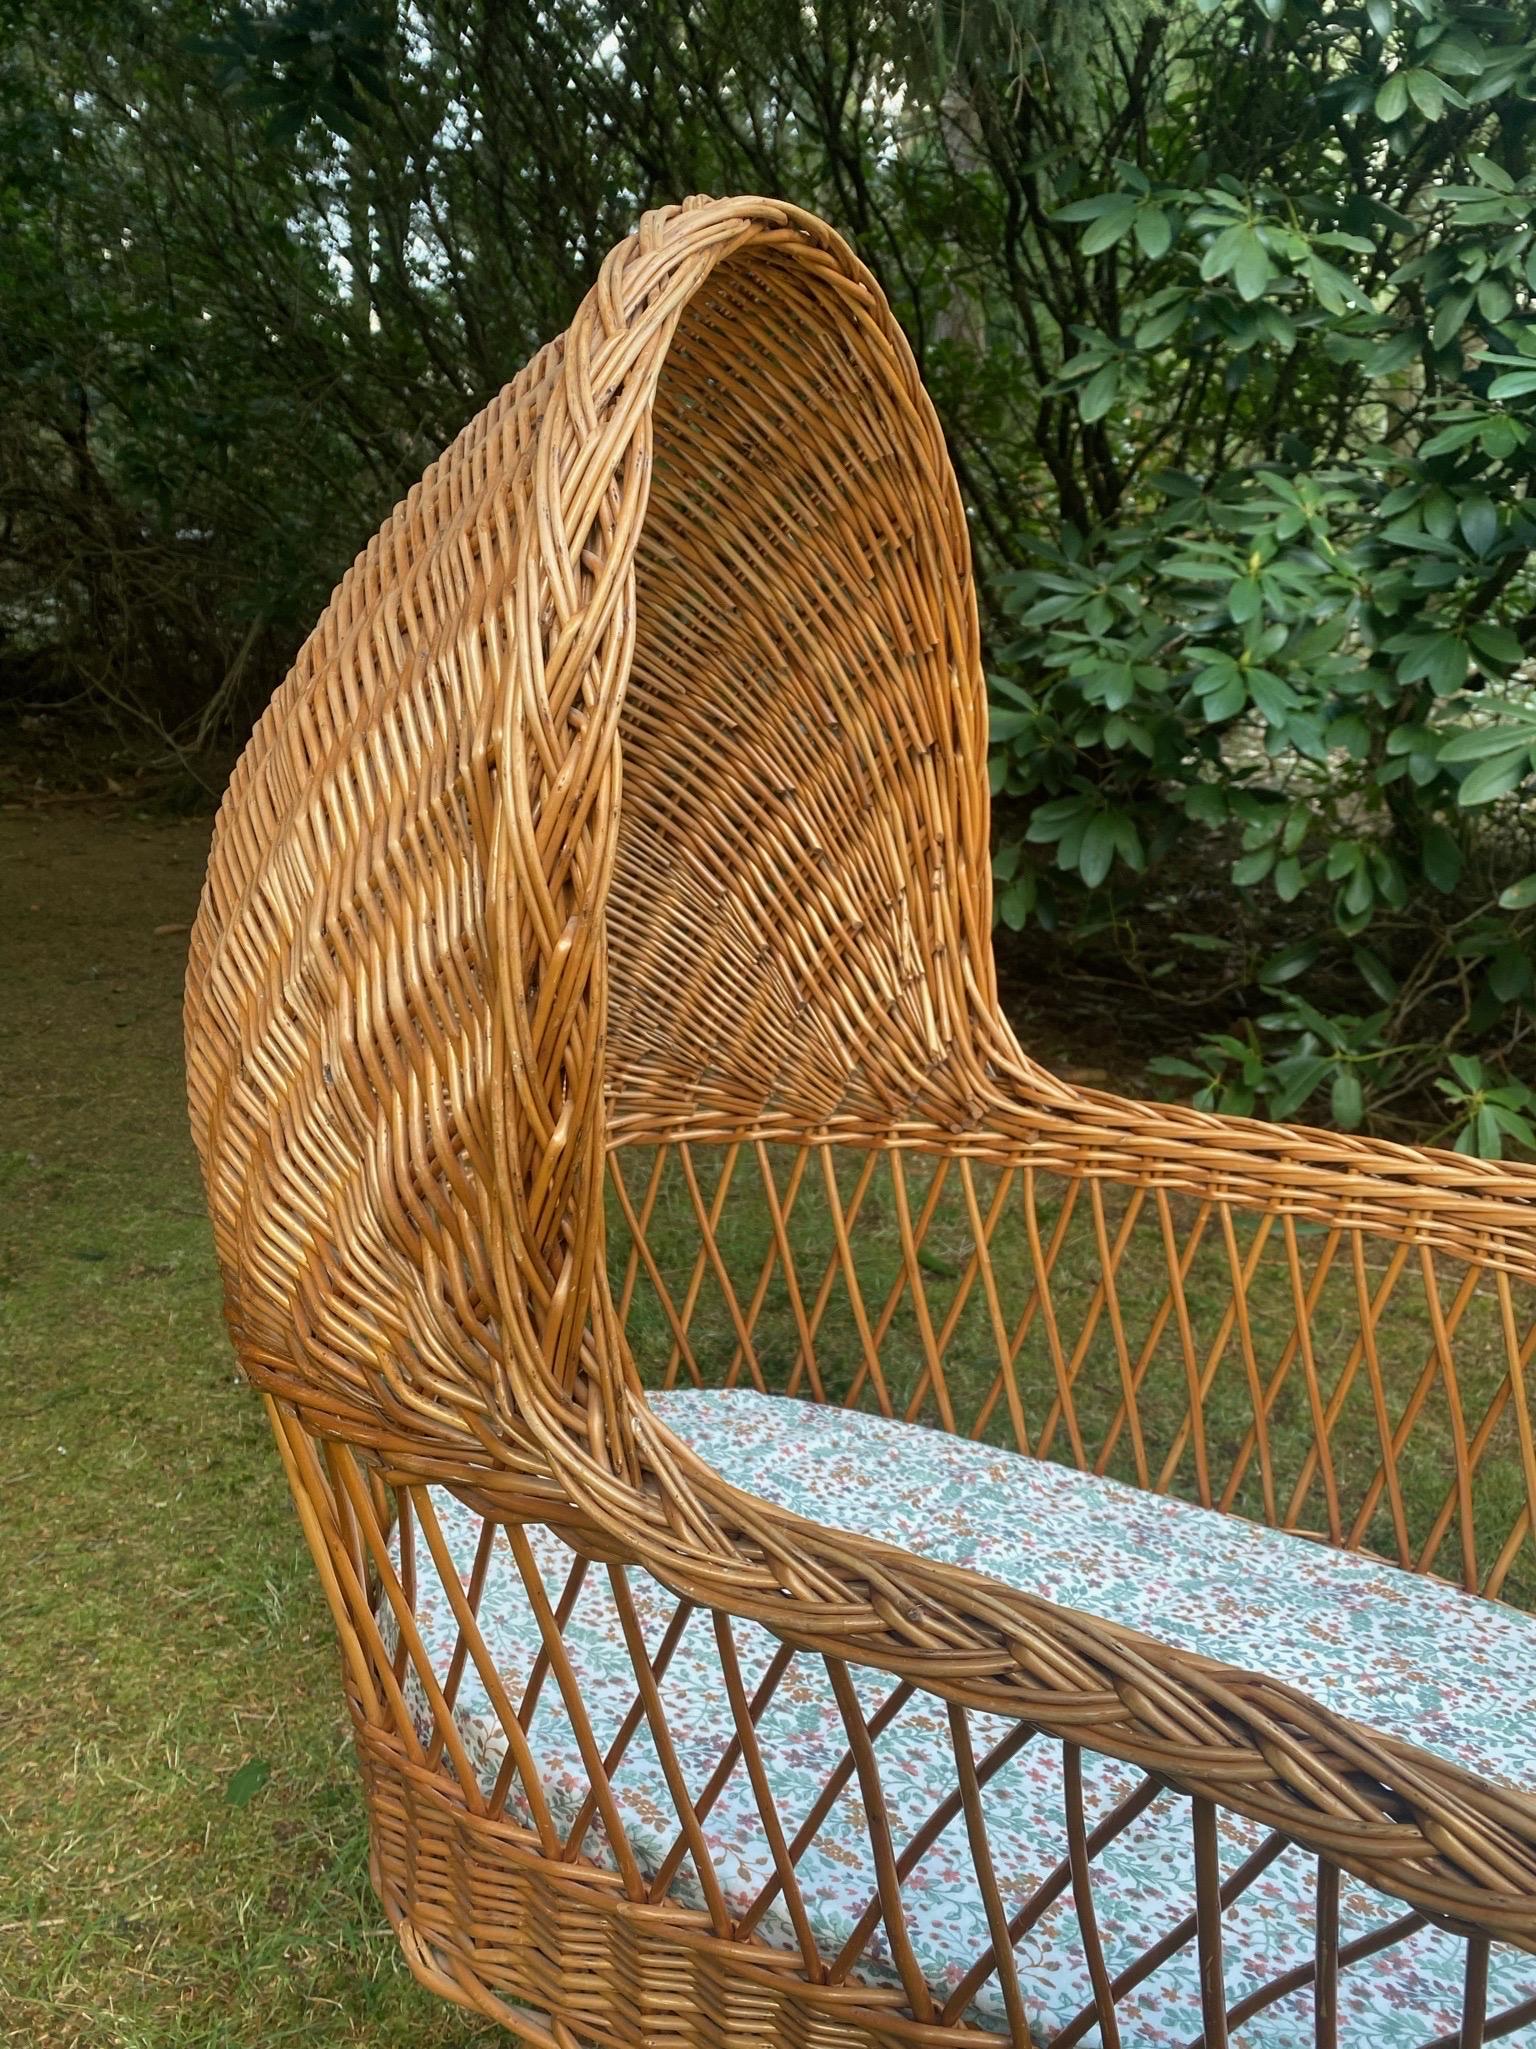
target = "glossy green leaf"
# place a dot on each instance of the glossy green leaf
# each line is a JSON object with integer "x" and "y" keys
{"x": 1347, "y": 1100}
{"x": 1016, "y": 902}
{"x": 1392, "y": 98}
{"x": 1495, "y": 778}
{"x": 1112, "y": 223}
{"x": 1375, "y": 973}
{"x": 1252, "y": 269}
{"x": 1478, "y": 743}
{"x": 1098, "y": 394}
{"x": 1496, "y": 645}
{"x": 1427, "y": 93}
{"x": 1451, "y": 317}
{"x": 1288, "y": 879}
{"x": 1097, "y": 853}
{"x": 243, "y": 1785}
{"x": 1509, "y": 972}
{"x": 1161, "y": 327}
{"x": 1154, "y": 231}
{"x": 1440, "y": 858}
{"x": 1479, "y": 523}
{"x": 1252, "y": 868}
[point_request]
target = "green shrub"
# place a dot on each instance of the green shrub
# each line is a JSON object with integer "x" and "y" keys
{"x": 1294, "y": 642}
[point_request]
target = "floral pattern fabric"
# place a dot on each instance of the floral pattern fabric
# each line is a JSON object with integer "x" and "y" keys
{"x": 1409, "y": 1656}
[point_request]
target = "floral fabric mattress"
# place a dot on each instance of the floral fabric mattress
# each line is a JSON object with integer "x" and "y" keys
{"x": 1409, "y": 1656}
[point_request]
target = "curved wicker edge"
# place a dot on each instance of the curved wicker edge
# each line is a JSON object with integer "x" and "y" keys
{"x": 1459, "y": 1847}
{"x": 561, "y": 1393}
{"x": 1439, "y": 1837}
{"x": 1481, "y": 1212}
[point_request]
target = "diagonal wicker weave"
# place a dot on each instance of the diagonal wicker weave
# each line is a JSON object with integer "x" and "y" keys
{"x": 617, "y": 851}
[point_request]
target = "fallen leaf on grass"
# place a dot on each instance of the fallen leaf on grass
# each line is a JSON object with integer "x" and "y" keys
{"x": 247, "y": 1782}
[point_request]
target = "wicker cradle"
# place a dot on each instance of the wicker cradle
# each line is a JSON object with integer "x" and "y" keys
{"x": 615, "y": 853}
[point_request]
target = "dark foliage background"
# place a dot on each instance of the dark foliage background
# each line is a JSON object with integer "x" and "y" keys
{"x": 1227, "y": 307}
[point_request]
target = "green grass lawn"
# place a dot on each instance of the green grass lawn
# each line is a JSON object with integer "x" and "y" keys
{"x": 182, "y": 1840}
